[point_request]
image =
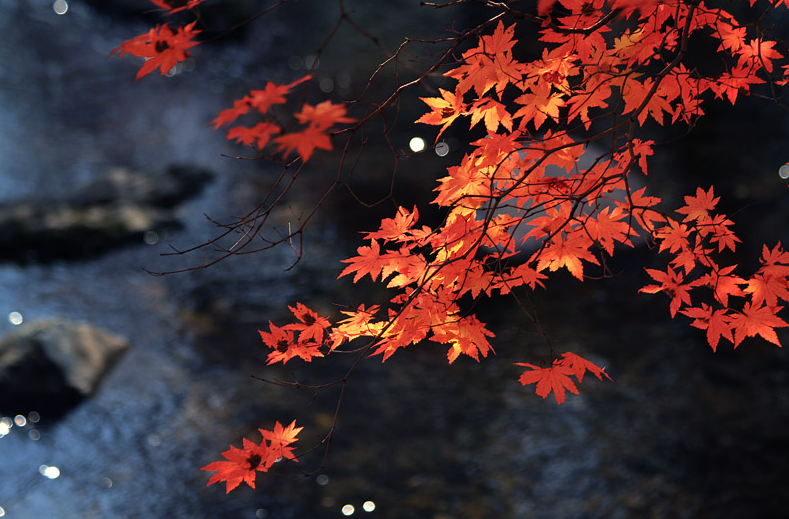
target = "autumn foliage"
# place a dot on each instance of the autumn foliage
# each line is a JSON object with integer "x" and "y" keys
{"x": 524, "y": 202}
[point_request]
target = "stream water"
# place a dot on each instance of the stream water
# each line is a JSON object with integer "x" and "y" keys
{"x": 681, "y": 432}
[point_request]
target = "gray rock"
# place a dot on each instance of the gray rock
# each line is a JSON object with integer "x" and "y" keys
{"x": 110, "y": 212}
{"x": 50, "y": 365}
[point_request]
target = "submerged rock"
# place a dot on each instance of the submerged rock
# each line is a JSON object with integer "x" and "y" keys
{"x": 51, "y": 365}
{"x": 112, "y": 211}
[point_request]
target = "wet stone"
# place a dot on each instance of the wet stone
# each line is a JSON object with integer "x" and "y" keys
{"x": 115, "y": 210}
{"x": 51, "y": 365}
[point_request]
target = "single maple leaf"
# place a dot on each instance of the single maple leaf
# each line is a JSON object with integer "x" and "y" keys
{"x": 323, "y": 115}
{"x": 368, "y": 261}
{"x": 767, "y": 288}
{"x": 397, "y": 228}
{"x": 556, "y": 379}
{"x": 757, "y": 320}
{"x": 671, "y": 283}
{"x": 173, "y": 6}
{"x": 580, "y": 365}
{"x": 698, "y": 207}
{"x": 724, "y": 284}
{"x": 312, "y": 325}
{"x": 272, "y": 94}
{"x": 566, "y": 253}
{"x": 446, "y": 109}
{"x": 761, "y": 52}
{"x": 716, "y": 321}
{"x": 304, "y": 142}
{"x": 280, "y": 439}
{"x": 242, "y": 465}
{"x": 161, "y": 47}
{"x": 673, "y": 236}
{"x": 228, "y": 115}
{"x": 260, "y": 134}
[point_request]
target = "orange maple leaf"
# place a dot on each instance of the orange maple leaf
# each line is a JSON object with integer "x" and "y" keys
{"x": 698, "y": 207}
{"x": 281, "y": 340}
{"x": 323, "y": 115}
{"x": 446, "y": 109}
{"x": 242, "y": 465}
{"x": 555, "y": 378}
{"x": 566, "y": 253}
{"x": 754, "y": 321}
{"x": 304, "y": 142}
{"x": 280, "y": 439}
{"x": 368, "y": 261}
{"x": 671, "y": 283}
{"x": 312, "y": 325}
{"x": 716, "y": 321}
{"x": 761, "y": 52}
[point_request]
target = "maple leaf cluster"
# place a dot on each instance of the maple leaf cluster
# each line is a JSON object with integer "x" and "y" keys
{"x": 162, "y": 47}
{"x": 311, "y": 330}
{"x": 738, "y": 307}
{"x": 242, "y": 465}
{"x": 525, "y": 202}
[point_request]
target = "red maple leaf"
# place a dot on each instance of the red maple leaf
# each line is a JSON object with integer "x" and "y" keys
{"x": 580, "y": 365}
{"x": 161, "y": 47}
{"x": 716, "y": 321}
{"x": 323, "y": 115}
{"x": 281, "y": 438}
{"x": 757, "y": 321}
{"x": 304, "y": 142}
{"x": 556, "y": 379}
{"x": 672, "y": 284}
{"x": 242, "y": 465}
{"x": 260, "y": 134}
{"x": 285, "y": 347}
{"x": 312, "y": 325}
{"x": 173, "y": 6}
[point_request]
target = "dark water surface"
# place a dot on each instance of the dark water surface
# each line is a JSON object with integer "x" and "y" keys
{"x": 681, "y": 432}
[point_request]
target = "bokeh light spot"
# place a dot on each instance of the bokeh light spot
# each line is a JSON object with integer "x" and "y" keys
{"x": 34, "y": 435}
{"x": 783, "y": 171}
{"x": 20, "y": 420}
{"x": 49, "y": 471}
{"x": 442, "y": 149}
{"x": 347, "y": 510}
{"x": 416, "y": 144}
{"x": 33, "y": 417}
{"x": 368, "y": 506}
{"x": 322, "y": 479}
{"x": 15, "y": 318}
{"x": 150, "y": 237}
{"x": 60, "y": 6}
{"x": 326, "y": 84}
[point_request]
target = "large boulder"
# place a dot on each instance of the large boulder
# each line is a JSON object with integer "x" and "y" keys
{"x": 50, "y": 365}
{"x": 114, "y": 210}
